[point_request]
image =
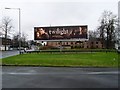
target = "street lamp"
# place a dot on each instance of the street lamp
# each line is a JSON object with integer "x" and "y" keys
{"x": 19, "y": 27}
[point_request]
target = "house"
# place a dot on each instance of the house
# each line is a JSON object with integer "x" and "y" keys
{"x": 4, "y": 41}
{"x": 93, "y": 44}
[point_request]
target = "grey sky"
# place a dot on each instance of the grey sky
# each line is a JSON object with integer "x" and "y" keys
{"x": 54, "y": 13}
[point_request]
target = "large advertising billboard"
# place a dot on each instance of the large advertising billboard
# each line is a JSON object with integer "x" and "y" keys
{"x": 61, "y": 33}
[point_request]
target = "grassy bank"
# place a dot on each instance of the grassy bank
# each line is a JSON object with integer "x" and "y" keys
{"x": 97, "y": 59}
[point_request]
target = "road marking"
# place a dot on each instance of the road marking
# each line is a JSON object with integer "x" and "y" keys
{"x": 87, "y": 73}
{"x": 112, "y": 72}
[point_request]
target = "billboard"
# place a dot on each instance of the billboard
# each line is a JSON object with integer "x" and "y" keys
{"x": 61, "y": 33}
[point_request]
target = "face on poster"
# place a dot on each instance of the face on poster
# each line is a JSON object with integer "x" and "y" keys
{"x": 60, "y": 32}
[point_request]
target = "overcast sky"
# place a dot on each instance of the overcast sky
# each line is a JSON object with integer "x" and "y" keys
{"x": 55, "y": 13}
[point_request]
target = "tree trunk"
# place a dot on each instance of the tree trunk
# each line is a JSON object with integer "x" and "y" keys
{"x": 5, "y": 39}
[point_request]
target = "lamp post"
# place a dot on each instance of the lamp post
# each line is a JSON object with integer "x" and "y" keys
{"x": 19, "y": 27}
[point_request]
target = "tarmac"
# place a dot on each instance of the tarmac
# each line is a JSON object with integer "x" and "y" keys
{"x": 59, "y": 77}
{"x": 4, "y": 54}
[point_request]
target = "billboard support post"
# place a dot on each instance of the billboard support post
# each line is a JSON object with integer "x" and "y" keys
{"x": 60, "y": 46}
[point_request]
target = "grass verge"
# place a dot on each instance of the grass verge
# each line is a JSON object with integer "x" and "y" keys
{"x": 97, "y": 59}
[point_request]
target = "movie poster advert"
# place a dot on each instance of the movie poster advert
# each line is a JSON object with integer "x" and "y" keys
{"x": 60, "y": 32}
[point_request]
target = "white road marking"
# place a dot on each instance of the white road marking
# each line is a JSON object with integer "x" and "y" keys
{"x": 33, "y": 73}
{"x": 112, "y": 72}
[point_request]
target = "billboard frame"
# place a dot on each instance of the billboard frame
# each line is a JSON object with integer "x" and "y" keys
{"x": 63, "y": 40}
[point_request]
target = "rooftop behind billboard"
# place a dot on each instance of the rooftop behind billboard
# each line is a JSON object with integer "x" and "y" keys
{"x": 60, "y": 33}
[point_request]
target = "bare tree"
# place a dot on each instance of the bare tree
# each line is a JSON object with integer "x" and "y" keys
{"x": 101, "y": 30}
{"x": 107, "y": 28}
{"x": 24, "y": 42}
{"x": 15, "y": 41}
{"x": 93, "y": 34}
{"x": 6, "y": 28}
{"x": 118, "y": 34}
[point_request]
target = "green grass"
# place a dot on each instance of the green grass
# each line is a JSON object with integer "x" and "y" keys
{"x": 98, "y": 59}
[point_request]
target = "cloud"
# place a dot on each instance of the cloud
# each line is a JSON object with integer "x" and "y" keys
{"x": 56, "y": 13}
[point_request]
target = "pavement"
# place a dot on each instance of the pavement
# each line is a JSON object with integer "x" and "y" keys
{"x": 4, "y": 54}
{"x": 59, "y": 77}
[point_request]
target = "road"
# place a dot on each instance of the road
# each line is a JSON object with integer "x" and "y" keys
{"x": 59, "y": 77}
{"x": 4, "y": 54}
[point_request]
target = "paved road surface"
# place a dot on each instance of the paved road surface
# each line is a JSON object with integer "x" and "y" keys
{"x": 4, "y": 54}
{"x": 59, "y": 77}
